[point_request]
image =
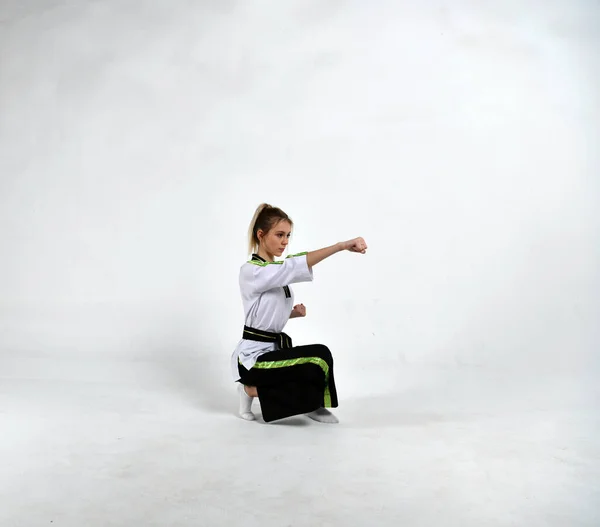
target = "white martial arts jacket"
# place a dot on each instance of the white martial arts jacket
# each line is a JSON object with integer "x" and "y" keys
{"x": 268, "y": 302}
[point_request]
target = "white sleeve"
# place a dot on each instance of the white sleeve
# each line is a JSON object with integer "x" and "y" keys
{"x": 259, "y": 277}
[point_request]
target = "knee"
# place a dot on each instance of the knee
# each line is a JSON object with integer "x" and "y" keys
{"x": 324, "y": 352}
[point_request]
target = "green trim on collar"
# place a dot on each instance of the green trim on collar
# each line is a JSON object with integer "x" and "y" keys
{"x": 264, "y": 264}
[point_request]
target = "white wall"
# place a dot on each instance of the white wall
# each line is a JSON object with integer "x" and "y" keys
{"x": 459, "y": 138}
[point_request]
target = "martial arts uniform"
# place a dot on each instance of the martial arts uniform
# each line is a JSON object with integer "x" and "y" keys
{"x": 289, "y": 380}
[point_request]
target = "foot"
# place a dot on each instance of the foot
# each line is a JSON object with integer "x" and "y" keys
{"x": 245, "y": 404}
{"x": 323, "y": 416}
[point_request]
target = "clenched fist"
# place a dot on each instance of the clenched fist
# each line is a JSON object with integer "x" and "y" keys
{"x": 357, "y": 245}
{"x": 298, "y": 311}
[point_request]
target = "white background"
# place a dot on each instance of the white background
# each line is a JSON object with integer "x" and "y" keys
{"x": 460, "y": 139}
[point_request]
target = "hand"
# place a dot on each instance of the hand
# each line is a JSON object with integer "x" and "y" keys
{"x": 298, "y": 311}
{"x": 357, "y": 245}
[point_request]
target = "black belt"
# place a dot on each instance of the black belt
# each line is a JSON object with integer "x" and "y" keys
{"x": 282, "y": 339}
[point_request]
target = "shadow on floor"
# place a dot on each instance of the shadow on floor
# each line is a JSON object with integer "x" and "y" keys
{"x": 399, "y": 410}
{"x": 194, "y": 376}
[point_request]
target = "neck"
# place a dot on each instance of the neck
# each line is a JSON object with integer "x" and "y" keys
{"x": 264, "y": 254}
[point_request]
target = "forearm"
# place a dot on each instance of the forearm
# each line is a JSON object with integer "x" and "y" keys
{"x": 314, "y": 257}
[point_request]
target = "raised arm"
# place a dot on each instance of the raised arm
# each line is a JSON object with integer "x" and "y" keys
{"x": 356, "y": 245}
{"x": 262, "y": 276}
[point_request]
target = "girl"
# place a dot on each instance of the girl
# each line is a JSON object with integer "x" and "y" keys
{"x": 288, "y": 380}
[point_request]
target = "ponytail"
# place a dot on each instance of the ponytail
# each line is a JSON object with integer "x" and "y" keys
{"x": 252, "y": 238}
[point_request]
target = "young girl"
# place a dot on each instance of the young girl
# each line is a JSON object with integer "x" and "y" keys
{"x": 288, "y": 380}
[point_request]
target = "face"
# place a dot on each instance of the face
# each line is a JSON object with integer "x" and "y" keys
{"x": 275, "y": 241}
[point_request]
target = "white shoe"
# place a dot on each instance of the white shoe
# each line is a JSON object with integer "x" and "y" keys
{"x": 245, "y": 404}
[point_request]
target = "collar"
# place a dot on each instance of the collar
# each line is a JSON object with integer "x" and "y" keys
{"x": 259, "y": 258}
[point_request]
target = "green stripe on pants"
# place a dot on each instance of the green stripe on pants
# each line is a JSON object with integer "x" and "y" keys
{"x": 301, "y": 360}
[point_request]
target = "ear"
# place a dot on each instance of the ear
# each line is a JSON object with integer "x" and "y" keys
{"x": 259, "y": 234}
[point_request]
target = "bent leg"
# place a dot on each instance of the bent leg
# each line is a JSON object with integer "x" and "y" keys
{"x": 293, "y": 381}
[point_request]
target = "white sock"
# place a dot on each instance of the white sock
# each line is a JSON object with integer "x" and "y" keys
{"x": 245, "y": 404}
{"x": 323, "y": 416}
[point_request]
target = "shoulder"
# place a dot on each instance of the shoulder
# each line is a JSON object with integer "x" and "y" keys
{"x": 252, "y": 265}
{"x": 252, "y": 269}
{"x": 297, "y": 255}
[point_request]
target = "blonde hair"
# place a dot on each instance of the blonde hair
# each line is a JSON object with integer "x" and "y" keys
{"x": 265, "y": 217}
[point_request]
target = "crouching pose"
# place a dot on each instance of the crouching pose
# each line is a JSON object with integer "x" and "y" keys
{"x": 288, "y": 380}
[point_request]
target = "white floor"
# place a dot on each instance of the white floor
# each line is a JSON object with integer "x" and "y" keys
{"x": 460, "y": 447}
{"x": 459, "y": 138}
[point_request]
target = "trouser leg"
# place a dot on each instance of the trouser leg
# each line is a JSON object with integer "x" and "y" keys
{"x": 293, "y": 381}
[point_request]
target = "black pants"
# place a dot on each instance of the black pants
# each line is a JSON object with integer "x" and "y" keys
{"x": 292, "y": 381}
